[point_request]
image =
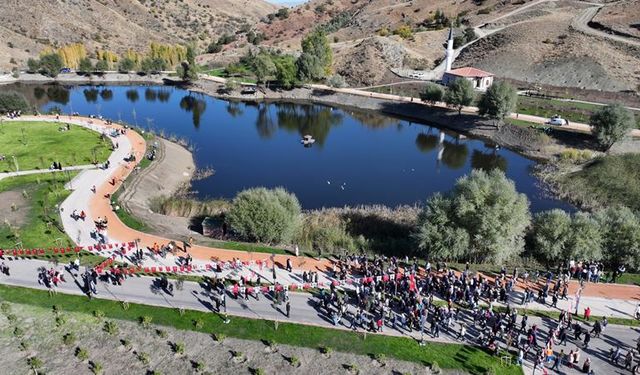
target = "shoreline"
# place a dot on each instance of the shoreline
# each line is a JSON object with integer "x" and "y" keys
{"x": 111, "y": 78}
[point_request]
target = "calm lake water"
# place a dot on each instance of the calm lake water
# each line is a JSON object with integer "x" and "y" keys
{"x": 357, "y": 157}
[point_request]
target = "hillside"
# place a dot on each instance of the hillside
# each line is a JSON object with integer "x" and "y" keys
{"x": 28, "y": 26}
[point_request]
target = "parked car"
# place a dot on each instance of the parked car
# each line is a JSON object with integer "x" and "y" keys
{"x": 65, "y": 70}
{"x": 556, "y": 120}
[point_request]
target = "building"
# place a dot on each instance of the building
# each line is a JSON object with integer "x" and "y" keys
{"x": 481, "y": 80}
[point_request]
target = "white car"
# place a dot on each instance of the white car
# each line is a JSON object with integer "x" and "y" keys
{"x": 556, "y": 120}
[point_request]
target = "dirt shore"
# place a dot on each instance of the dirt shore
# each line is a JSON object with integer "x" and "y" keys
{"x": 95, "y": 79}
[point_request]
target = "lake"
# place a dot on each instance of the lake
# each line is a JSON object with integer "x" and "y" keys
{"x": 357, "y": 158}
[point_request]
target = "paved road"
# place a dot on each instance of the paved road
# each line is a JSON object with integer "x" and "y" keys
{"x": 303, "y": 310}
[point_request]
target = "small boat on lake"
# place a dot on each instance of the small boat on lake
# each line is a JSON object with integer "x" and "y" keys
{"x": 307, "y": 140}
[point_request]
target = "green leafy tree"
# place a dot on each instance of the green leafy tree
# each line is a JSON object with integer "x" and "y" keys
{"x": 126, "y": 65}
{"x": 286, "y": 72}
{"x": 494, "y": 214}
{"x": 621, "y": 237}
{"x": 611, "y": 124}
{"x": 153, "y": 65}
{"x": 459, "y": 94}
{"x": 33, "y": 65}
{"x": 498, "y": 102}
{"x": 51, "y": 64}
{"x": 438, "y": 236}
{"x": 551, "y": 236}
{"x": 12, "y": 101}
{"x": 188, "y": 69}
{"x": 85, "y": 65}
{"x": 263, "y": 67}
{"x": 263, "y": 215}
{"x": 585, "y": 241}
{"x": 102, "y": 66}
{"x": 316, "y": 58}
{"x": 432, "y": 93}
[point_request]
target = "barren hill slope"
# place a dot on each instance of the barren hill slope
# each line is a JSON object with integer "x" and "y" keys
{"x": 118, "y": 24}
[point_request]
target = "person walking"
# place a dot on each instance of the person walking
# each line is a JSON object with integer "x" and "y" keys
{"x": 288, "y": 308}
{"x": 557, "y": 363}
{"x": 587, "y": 339}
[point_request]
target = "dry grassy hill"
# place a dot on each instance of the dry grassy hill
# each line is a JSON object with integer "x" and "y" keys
{"x": 28, "y": 26}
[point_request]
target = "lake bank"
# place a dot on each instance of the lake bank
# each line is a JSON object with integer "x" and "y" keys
{"x": 107, "y": 78}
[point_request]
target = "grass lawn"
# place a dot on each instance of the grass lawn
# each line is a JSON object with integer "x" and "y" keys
{"x": 36, "y": 145}
{"x": 609, "y": 180}
{"x": 448, "y": 356}
{"x": 577, "y": 112}
{"x": 41, "y": 227}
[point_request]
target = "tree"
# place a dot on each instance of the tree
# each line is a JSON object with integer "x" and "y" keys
{"x": 214, "y": 47}
{"x": 498, "y": 102}
{"x": 551, "y": 236}
{"x": 153, "y": 65}
{"x": 585, "y": 241}
{"x": 459, "y": 94}
{"x": 101, "y": 66}
{"x": 283, "y": 13}
{"x": 12, "y": 101}
{"x": 316, "y": 58}
{"x": 286, "y": 72}
{"x": 263, "y": 67}
{"x": 51, "y": 64}
{"x": 33, "y": 65}
{"x": 85, "y": 66}
{"x": 309, "y": 68}
{"x": 432, "y": 93}
{"x": 126, "y": 65}
{"x": 611, "y": 124}
{"x": 231, "y": 84}
{"x": 188, "y": 70}
{"x": 263, "y": 215}
{"x": 494, "y": 214}
{"x": 438, "y": 236}
{"x": 621, "y": 237}
{"x": 336, "y": 81}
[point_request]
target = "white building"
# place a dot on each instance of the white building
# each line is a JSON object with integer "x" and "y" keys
{"x": 481, "y": 80}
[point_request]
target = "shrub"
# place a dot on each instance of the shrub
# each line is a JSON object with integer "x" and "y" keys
{"x": 96, "y": 368}
{"x": 237, "y": 354}
{"x": 435, "y": 368}
{"x": 326, "y": 350}
{"x": 12, "y": 101}
{"x": 336, "y": 81}
{"x": 219, "y": 337}
{"x": 198, "y": 323}
{"x": 381, "y": 358}
{"x": 145, "y": 321}
{"x": 178, "y": 348}
{"x": 111, "y": 328}
{"x": 24, "y": 346}
{"x": 144, "y": 358}
{"x": 258, "y": 371}
{"x": 35, "y": 363}
{"x": 573, "y": 155}
{"x": 199, "y": 366}
{"x": 162, "y": 333}
{"x": 5, "y": 307}
{"x": 98, "y": 314}
{"x": 263, "y": 215}
{"x": 82, "y": 354}
{"x": 69, "y": 339}
{"x": 126, "y": 343}
{"x": 404, "y": 32}
{"x": 60, "y": 321}
{"x": 18, "y": 332}
{"x": 294, "y": 361}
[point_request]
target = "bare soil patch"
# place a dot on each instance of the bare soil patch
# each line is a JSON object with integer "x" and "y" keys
{"x": 43, "y": 339}
{"x": 14, "y": 207}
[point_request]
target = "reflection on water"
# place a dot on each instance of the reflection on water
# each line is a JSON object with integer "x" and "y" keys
{"x": 357, "y": 157}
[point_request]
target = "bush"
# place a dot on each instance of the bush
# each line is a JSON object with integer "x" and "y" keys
{"x": 34, "y": 363}
{"x": 51, "y": 64}
{"x": 199, "y": 366}
{"x": 404, "y": 32}
{"x": 82, "y": 354}
{"x": 99, "y": 314}
{"x": 573, "y": 155}
{"x": 178, "y": 348}
{"x": 24, "y": 346}
{"x": 294, "y": 361}
{"x": 611, "y": 124}
{"x": 263, "y": 215}
{"x": 12, "y": 101}
{"x": 432, "y": 93}
{"x": 144, "y": 358}
{"x": 60, "y": 321}
{"x": 219, "y": 337}
{"x": 69, "y": 339}
{"x": 162, "y": 333}
{"x": 145, "y": 321}
{"x": 111, "y": 328}
{"x": 96, "y": 368}
{"x": 18, "y": 332}
{"x": 336, "y": 81}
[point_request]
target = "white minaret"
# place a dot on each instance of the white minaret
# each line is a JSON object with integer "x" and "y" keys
{"x": 449, "y": 53}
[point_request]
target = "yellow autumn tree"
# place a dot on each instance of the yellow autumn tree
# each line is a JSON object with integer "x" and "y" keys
{"x": 108, "y": 56}
{"x": 134, "y": 56}
{"x": 171, "y": 54}
{"x": 71, "y": 54}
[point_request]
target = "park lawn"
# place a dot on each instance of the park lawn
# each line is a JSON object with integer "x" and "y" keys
{"x": 572, "y": 111}
{"x": 448, "y": 356}
{"x": 608, "y": 180}
{"x": 36, "y": 144}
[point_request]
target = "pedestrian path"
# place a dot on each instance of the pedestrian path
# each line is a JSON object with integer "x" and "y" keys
{"x": 42, "y": 171}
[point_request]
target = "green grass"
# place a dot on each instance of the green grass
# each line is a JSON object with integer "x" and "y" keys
{"x": 609, "y": 180}
{"x": 248, "y": 247}
{"x": 42, "y": 227}
{"x": 448, "y": 356}
{"x": 36, "y": 145}
{"x": 572, "y": 111}
{"x": 629, "y": 278}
